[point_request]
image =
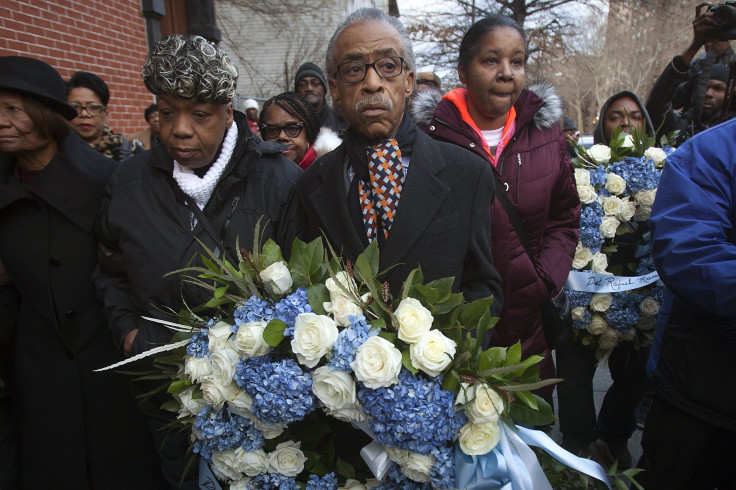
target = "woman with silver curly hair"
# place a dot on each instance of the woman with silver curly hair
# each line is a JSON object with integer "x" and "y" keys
{"x": 208, "y": 183}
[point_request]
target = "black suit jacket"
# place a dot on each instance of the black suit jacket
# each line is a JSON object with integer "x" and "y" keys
{"x": 443, "y": 222}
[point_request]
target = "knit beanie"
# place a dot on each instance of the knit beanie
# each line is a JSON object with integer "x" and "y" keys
{"x": 309, "y": 69}
{"x": 568, "y": 124}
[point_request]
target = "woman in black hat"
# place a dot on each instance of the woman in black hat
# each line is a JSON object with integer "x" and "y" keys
{"x": 77, "y": 428}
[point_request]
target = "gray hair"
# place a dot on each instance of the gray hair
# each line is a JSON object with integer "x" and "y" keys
{"x": 369, "y": 15}
{"x": 188, "y": 66}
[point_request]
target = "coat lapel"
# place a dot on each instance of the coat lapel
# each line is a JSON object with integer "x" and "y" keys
{"x": 329, "y": 200}
{"x": 421, "y": 198}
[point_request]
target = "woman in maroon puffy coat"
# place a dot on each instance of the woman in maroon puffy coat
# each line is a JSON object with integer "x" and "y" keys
{"x": 518, "y": 131}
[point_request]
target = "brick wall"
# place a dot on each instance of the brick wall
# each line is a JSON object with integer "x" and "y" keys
{"x": 103, "y": 37}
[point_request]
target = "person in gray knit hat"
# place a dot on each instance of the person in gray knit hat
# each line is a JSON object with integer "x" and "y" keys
{"x": 310, "y": 82}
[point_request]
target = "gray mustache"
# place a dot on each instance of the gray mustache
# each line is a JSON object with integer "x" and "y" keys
{"x": 374, "y": 99}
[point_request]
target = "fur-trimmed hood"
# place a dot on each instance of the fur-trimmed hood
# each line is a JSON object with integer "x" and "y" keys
{"x": 550, "y": 113}
{"x": 327, "y": 140}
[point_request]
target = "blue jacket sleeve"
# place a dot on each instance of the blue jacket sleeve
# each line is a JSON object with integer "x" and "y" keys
{"x": 693, "y": 220}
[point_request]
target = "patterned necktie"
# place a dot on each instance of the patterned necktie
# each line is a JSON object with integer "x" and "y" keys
{"x": 381, "y": 199}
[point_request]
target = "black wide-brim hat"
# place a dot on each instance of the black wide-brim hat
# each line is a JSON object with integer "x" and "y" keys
{"x": 37, "y": 79}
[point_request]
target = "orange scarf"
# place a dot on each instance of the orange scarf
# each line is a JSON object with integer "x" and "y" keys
{"x": 459, "y": 99}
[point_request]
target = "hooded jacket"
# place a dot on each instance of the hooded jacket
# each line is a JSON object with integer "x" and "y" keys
{"x": 599, "y": 137}
{"x": 537, "y": 175}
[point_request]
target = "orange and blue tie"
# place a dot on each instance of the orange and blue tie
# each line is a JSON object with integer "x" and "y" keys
{"x": 380, "y": 200}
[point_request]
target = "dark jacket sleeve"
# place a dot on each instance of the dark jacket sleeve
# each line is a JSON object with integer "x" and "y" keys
{"x": 480, "y": 278}
{"x": 659, "y": 102}
{"x": 562, "y": 230}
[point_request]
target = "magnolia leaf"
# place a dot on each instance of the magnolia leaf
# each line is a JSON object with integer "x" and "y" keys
{"x": 472, "y": 312}
{"x": 527, "y": 398}
{"x": 620, "y": 484}
{"x": 178, "y": 386}
{"x": 345, "y": 469}
{"x": 379, "y": 323}
{"x": 406, "y": 361}
{"x": 496, "y": 356}
{"x": 429, "y": 294}
{"x": 527, "y": 416}
{"x": 449, "y": 304}
{"x": 371, "y": 255}
{"x": 443, "y": 287}
{"x": 390, "y": 336}
{"x": 270, "y": 254}
{"x": 171, "y": 406}
{"x": 273, "y": 334}
{"x": 451, "y": 381}
{"x": 317, "y": 294}
{"x": 513, "y": 354}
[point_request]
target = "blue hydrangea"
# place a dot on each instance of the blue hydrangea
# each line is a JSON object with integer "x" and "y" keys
{"x": 443, "y": 471}
{"x": 396, "y": 480}
{"x": 327, "y": 482}
{"x": 415, "y": 413}
{"x": 623, "y": 314}
{"x": 657, "y": 292}
{"x": 253, "y": 310}
{"x": 640, "y": 174}
{"x": 598, "y": 177}
{"x": 348, "y": 341}
{"x": 583, "y": 322}
{"x": 645, "y": 266}
{"x": 579, "y": 298}
{"x": 290, "y": 307}
{"x": 281, "y": 391}
{"x": 273, "y": 481}
{"x": 590, "y": 222}
{"x": 199, "y": 344}
{"x": 222, "y": 429}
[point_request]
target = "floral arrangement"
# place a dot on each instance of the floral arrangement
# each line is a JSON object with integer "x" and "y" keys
{"x": 613, "y": 287}
{"x": 299, "y": 360}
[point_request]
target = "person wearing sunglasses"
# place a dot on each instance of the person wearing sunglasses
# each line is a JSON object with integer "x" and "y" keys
{"x": 88, "y": 94}
{"x": 291, "y": 120}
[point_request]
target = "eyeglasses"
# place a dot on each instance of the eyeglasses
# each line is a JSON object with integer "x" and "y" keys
{"x": 271, "y": 131}
{"x": 92, "y": 109}
{"x": 304, "y": 83}
{"x": 355, "y": 71}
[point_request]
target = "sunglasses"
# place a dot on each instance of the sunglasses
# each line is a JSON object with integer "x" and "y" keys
{"x": 271, "y": 131}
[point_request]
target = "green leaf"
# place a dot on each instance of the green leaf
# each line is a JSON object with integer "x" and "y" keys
{"x": 273, "y": 334}
{"x": 216, "y": 302}
{"x": 220, "y": 292}
{"x": 171, "y": 406}
{"x": 379, "y": 323}
{"x": 443, "y": 287}
{"x": 178, "y": 386}
{"x": 527, "y": 398}
{"x": 406, "y": 361}
{"x": 452, "y": 302}
{"x": 371, "y": 255}
{"x": 527, "y": 416}
{"x": 471, "y": 313}
{"x": 496, "y": 356}
{"x": 390, "y": 336}
{"x": 270, "y": 254}
{"x": 451, "y": 381}
{"x": 513, "y": 354}
{"x": 430, "y": 294}
{"x": 408, "y": 284}
{"x": 345, "y": 469}
{"x": 317, "y": 294}
{"x": 363, "y": 269}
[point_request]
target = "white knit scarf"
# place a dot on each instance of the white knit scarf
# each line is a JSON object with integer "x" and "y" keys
{"x": 200, "y": 189}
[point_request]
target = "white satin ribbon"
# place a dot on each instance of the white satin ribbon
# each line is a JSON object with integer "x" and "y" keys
{"x": 207, "y": 480}
{"x": 374, "y": 455}
{"x": 601, "y": 283}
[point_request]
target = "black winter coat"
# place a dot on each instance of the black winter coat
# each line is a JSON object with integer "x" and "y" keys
{"x": 146, "y": 223}
{"x": 78, "y": 429}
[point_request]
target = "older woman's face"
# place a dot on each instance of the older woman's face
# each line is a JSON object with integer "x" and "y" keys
{"x": 494, "y": 77}
{"x": 18, "y": 134}
{"x": 277, "y": 118}
{"x": 92, "y": 117}
{"x": 192, "y": 131}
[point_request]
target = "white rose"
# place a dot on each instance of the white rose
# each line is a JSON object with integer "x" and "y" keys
{"x": 597, "y": 325}
{"x": 269, "y": 431}
{"x": 314, "y": 336}
{"x": 249, "y": 339}
{"x": 241, "y": 484}
{"x": 629, "y": 335}
{"x": 217, "y": 394}
{"x": 397, "y": 455}
{"x": 609, "y": 339}
{"x": 601, "y": 302}
{"x": 600, "y": 263}
{"x": 611, "y": 205}
{"x": 197, "y": 368}
{"x": 350, "y": 413}
{"x": 240, "y": 403}
{"x": 657, "y": 155}
{"x": 352, "y": 485}
{"x": 601, "y": 154}
{"x": 587, "y": 194}
{"x": 627, "y": 211}
{"x": 225, "y": 465}
{"x": 582, "y": 177}
{"x": 486, "y": 405}
{"x": 643, "y": 213}
{"x": 432, "y": 353}
{"x": 277, "y": 278}
{"x": 188, "y": 405}
{"x": 646, "y": 323}
{"x": 577, "y": 313}
{"x": 479, "y": 439}
{"x": 628, "y": 142}
{"x": 582, "y": 258}
{"x": 377, "y": 363}
{"x": 287, "y": 459}
{"x": 252, "y": 463}
{"x": 224, "y": 364}
{"x": 218, "y": 334}
{"x": 615, "y": 184}
{"x": 645, "y": 198}
{"x": 334, "y": 388}
{"x": 343, "y": 279}
{"x": 414, "y": 320}
{"x": 649, "y": 306}
{"x": 342, "y": 309}
{"x": 608, "y": 227}
{"x": 418, "y": 466}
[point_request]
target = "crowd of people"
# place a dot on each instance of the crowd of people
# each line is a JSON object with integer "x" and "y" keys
{"x": 476, "y": 183}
